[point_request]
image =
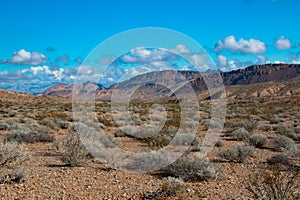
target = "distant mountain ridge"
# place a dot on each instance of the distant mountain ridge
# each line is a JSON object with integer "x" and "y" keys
{"x": 152, "y": 85}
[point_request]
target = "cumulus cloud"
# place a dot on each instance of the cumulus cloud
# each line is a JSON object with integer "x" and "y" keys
{"x": 181, "y": 49}
{"x": 283, "y": 43}
{"x": 252, "y": 46}
{"x": 23, "y": 57}
{"x": 225, "y": 64}
{"x": 222, "y": 60}
{"x": 44, "y": 70}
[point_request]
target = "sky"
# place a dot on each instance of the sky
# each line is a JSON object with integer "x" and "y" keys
{"x": 45, "y": 42}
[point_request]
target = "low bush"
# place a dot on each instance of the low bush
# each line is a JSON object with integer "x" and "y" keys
{"x": 274, "y": 183}
{"x": 283, "y": 143}
{"x": 257, "y": 140}
{"x": 28, "y": 133}
{"x": 74, "y": 152}
{"x": 12, "y": 155}
{"x": 286, "y": 131}
{"x": 237, "y": 153}
{"x": 171, "y": 188}
{"x": 192, "y": 168}
{"x": 278, "y": 159}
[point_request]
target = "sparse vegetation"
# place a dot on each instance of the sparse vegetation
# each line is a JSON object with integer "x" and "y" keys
{"x": 192, "y": 168}
{"x": 171, "y": 188}
{"x": 257, "y": 140}
{"x": 283, "y": 143}
{"x": 237, "y": 153}
{"x": 12, "y": 156}
{"x": 75, "y": 152}
{"x": 275, "y": 183}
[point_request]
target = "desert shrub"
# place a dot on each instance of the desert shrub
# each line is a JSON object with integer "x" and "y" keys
{"x": 102, "y": 119}
{"x": 283, "y": 143}
{"x": 239, "y": 134}
{"x": 237, "y": 153}
{"x": 249, "y": 125}
{"x": 157, "y": 141}
{"x": 30, "y": 133}
{"x": 219, "y": 143}
{"x": 12, "y": 155}
{"x": 148, "y": 161}
{"x": 171, "y": 188}
{"x": 74, "y": 152}
{"x": 265, "y": 127}
{"x": 12, "y": 113}
{"x": 257, "y": 140}
{"x": 286, "y": 131}
{"x": 4, "y": 126}
{"x": 274, "y": 120}
{"x": 274, "y": 183}
{"x": 192, "y": 168}
{"x": 278, "y": 159}
{"x": 186, "y": 139}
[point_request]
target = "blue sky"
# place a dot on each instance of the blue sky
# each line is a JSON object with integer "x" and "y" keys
{"x": 43, "y": 42}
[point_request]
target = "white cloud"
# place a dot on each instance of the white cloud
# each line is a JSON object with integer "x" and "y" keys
{"x": 106, "y": 60}
{"x": 262, "y": 60}
{"x": 44, "y": 70}
{"x": 283, "y": 43}
{"x": 181, "y": 49}
{"x": 142, "y": 55}
{"x": 296, "y": 62}
{"x": 279, "y": 62}
{"x": 23, "y": 57}
{"x": 222, "y": 60}
{"x": 251, "y": 46}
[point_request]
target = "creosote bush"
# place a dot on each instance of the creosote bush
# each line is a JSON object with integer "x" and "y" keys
{"x": 237, "y": 153}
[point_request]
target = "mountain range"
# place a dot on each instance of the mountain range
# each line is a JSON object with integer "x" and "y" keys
{"x": 268, "y": 79}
